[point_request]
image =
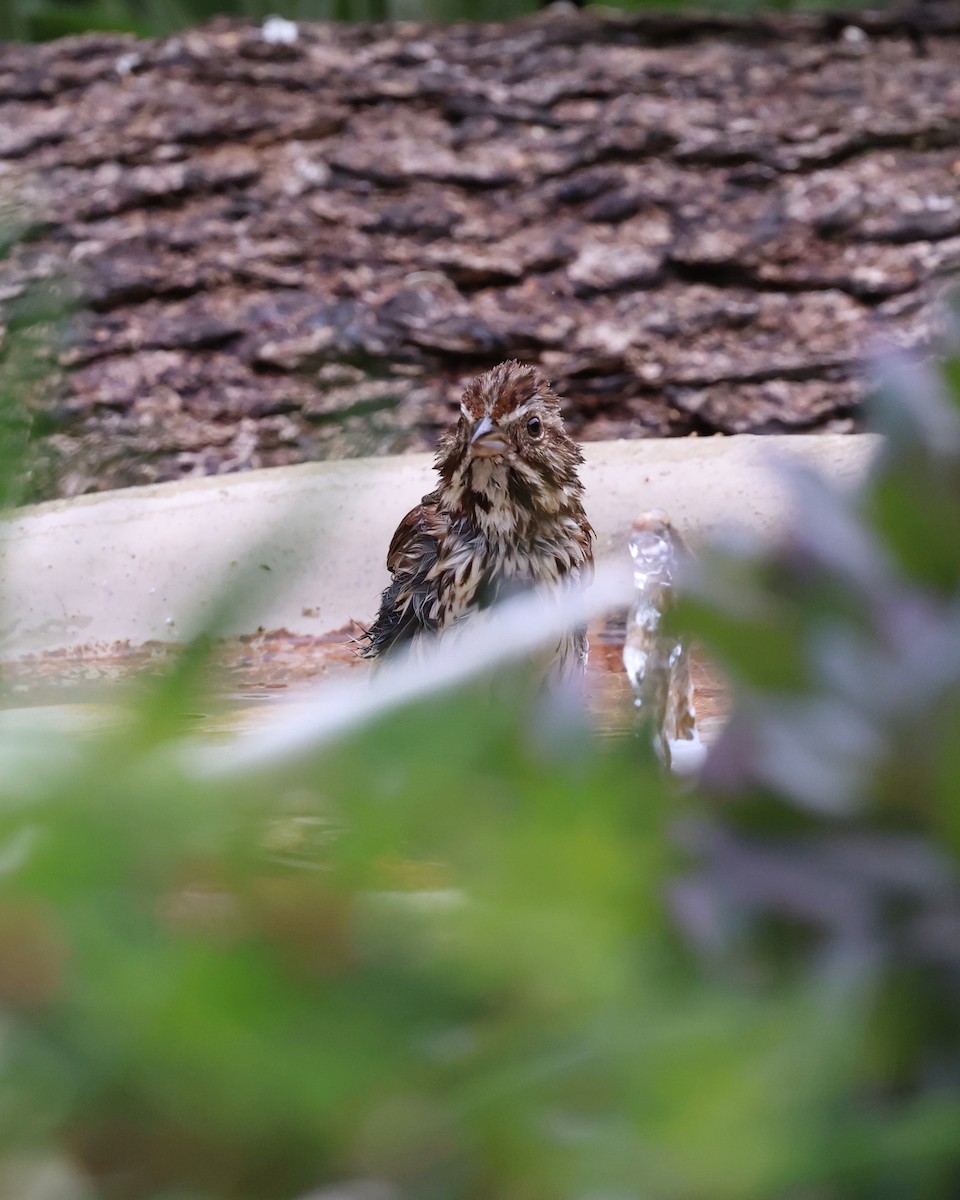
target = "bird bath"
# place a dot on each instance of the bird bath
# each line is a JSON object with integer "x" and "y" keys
{"x": 284, "y": 562}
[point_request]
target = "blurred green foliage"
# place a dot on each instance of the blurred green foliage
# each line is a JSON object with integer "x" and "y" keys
{"x": 435, "y": 956}
{"x": 38, "y": 20}
{"x": 475, "y": 951}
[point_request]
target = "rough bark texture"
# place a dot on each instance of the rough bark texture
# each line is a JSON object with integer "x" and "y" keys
{"x": 289, "y": 251}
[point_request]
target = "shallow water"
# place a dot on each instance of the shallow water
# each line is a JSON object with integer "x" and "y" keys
{"x": 254, "y": 673}
{"x": 611, "y": 698}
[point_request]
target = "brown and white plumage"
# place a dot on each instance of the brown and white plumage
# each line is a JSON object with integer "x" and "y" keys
{"x": 506, "y": 516}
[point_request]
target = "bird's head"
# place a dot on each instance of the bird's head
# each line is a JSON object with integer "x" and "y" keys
{"x": 510, "y": 440}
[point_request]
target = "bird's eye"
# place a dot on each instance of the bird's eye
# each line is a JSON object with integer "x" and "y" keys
{"x": 534, "y": 427}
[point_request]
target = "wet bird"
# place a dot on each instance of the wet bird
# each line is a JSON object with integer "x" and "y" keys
{"x": 506, "y": 516}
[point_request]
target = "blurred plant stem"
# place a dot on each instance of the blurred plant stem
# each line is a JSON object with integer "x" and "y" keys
{"x": 28, "y": 343}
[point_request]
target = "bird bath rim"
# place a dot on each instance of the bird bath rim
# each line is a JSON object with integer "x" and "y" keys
{"x": 303, "y": 548}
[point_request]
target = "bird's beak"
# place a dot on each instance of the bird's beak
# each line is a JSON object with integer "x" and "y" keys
{"x": 488, "y": 440}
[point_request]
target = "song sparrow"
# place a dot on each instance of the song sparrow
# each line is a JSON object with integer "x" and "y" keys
{"x": 507, "y": 515}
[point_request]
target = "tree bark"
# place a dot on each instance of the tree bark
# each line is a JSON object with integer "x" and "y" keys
{"x": 283, "y": 250}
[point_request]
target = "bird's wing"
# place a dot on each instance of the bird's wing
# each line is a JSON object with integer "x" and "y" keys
{"x": 405, "y": 604}
{"x": 409, "y": 541}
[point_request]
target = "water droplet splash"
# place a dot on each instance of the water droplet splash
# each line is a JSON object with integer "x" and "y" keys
{"x": 656, "y": 659}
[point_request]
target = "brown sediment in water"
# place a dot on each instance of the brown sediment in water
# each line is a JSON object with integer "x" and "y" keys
{"x": 265, "y": 661}
{"x": 611, "y": 696}
{"x": 252, "y": 669}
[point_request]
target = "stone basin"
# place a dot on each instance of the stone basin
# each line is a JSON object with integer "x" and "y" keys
{"x": 285, "y": 562}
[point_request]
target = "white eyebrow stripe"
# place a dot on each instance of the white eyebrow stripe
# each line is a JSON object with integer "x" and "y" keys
{"x": 517, "y": 413}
